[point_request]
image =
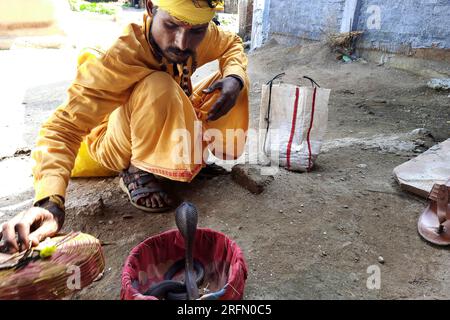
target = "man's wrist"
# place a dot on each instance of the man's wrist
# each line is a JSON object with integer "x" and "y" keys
{"x": 241, "y": 82}
{"x": 55, "y": 205}
{"x": 54, "y": 199}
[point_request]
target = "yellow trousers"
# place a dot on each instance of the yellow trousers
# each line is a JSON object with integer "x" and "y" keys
{"x": 163, "y": 131}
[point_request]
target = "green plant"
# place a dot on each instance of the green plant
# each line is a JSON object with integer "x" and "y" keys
{"x": 94, "y": 1}
{"x": 102, "y": 8}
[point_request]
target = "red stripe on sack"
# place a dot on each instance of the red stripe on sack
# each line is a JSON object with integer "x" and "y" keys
{"x": 294, "y": 120}
{"x": 310, "y": 127}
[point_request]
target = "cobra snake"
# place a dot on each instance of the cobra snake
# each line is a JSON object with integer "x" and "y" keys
{"x": 186, "y": 218}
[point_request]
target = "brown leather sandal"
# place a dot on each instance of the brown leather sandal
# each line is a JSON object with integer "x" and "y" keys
{"x": 141, "y": 184}
{"x": 434, "y": 222}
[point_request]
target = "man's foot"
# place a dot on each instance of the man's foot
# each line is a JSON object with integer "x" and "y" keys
{"x": 144, "y": 190}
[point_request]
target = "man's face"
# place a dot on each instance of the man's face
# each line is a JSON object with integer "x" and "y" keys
{"x": 176, "y": 39}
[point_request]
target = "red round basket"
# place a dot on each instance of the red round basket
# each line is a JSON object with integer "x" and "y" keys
{"x": 223, "y": 261}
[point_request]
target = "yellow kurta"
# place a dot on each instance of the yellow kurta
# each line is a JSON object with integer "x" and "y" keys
{"x": 126, "y": 104}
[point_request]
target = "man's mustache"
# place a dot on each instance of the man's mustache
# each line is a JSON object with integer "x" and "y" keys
{"x": 179, "y": 52}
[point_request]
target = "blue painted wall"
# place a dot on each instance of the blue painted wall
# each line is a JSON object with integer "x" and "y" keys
{"x": 407, "y": 23}
{"x": 290, "y": 21}
{"x": 404, "y": 23}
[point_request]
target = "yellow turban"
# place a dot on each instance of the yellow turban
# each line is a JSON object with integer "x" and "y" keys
{"x": 190, "y": 11}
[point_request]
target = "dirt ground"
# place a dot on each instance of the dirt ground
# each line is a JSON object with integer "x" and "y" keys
{"x": 308, "y": 235}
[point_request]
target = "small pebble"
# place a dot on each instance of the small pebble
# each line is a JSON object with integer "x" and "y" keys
{"x": 301, "y": 205}
{"x": 325, "y": 233}
{"x": 345, "y": 207}
{"x": 299, "y": 210}
{"x": 346, "y": 244}
{"x": 110, "y": 222}
{"x": 281, "y": 211}
{"x": 381, "y": 259}
{"x": 362, "y": 165}
{"x": 239, "y": 227}
{"x": 324, "y": 254}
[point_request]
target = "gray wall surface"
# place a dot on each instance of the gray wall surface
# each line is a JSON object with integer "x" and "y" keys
{"x": 406, "y": 23}
{"x": 402, "y": 24}
{"x": 303, "y": 19}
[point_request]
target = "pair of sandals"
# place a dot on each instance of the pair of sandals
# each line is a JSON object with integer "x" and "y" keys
{"x": 434, "y": 222}
{"x": 141, "y": 184}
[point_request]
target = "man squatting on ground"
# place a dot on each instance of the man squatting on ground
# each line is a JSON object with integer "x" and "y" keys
{"x": 124, "y": 107}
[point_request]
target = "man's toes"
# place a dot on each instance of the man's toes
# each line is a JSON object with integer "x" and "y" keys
{"x": 148, "y": 202}
{"x": 159, "y": 200}
{"x": 154, "y": 202}
{"x": 142, "y": 201}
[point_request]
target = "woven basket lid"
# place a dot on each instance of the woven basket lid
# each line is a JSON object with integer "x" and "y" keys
{"x": 77, "y": 261}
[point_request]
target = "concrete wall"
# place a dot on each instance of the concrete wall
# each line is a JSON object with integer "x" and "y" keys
{"x": 405, "y": 24}
{"x": 231, "y": 6}
{"x": 16, "y": 14}
{"x": 260, "y": 22}
{"x": 31, "y": 17}
{"x": 393, "y": 26}
{"x": 291, "y": 21}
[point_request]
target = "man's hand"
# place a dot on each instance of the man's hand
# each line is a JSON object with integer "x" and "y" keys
{"x": 230, "y": 88}
{"x": 32, "y": 225}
